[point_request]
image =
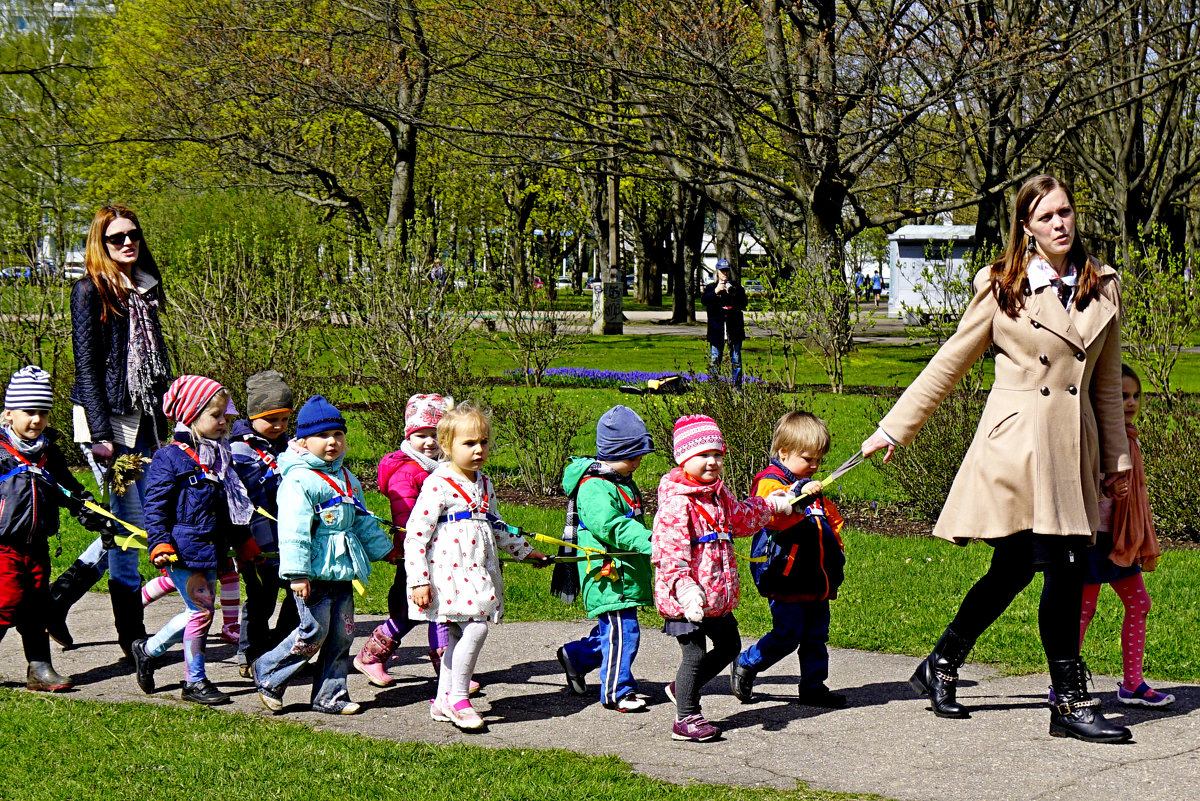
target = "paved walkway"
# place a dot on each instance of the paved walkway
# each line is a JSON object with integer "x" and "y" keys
{"x": 884, "y": 743}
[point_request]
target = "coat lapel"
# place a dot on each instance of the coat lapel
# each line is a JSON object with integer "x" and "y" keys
{"x": 1046, "y": 310}
{"x": 1090, "y": 322}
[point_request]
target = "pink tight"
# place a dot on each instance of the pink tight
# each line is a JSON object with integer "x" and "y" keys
{"x": 231, "y": 598}
{"x": 1132, "y": 592}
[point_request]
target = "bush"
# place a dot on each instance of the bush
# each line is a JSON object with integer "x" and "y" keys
{"x": 924, "y": 470}
{"x": 1171, "y": 451}
{"x": 747, "y": 420}
{"x": 538, "y": 429}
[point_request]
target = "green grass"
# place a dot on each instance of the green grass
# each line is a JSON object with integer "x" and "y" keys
{"x": 111, "y": 752}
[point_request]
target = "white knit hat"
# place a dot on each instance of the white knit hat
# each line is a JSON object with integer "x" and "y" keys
{"x": 29, "y": 388}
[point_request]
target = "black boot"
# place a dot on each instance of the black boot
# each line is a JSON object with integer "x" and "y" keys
{"x": 68, "y": 588}
{"x": 128, "y": 616}
{"x": 937, "y": 677}
{"x": 741, "y": 681}
{"x": 1077, "y": 714}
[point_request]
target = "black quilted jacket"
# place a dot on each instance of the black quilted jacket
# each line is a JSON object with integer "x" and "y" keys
{"x": 100, "y": 362}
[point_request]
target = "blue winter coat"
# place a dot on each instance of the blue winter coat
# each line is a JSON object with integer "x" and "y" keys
{"x": 318, "y": 538}
{"x": 251, "y": 451}
{"x": 187, "y": 510}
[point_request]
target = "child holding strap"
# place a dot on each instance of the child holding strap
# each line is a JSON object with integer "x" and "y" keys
{"x": 804, "y": 568}
{"x": 327, "y": 540}
{"x": 696, "y": 582}
{"x": 451, "y": 558}
{"x": 1125, "y": 546}
{"x": 196, "y": 508}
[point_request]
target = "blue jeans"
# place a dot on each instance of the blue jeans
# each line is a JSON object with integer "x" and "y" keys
{"x": 735, "y": 360}
{"x": 326, "y": 628}
{"x": 611, "y": 646}
{"x": 801, "y": 627}
{"x": 122, "y": 566}
{"x": 198, "y": 589}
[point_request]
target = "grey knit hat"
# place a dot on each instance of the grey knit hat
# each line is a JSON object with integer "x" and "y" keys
{"x": 29, "y": 388}
{"x": 267, "y": 393}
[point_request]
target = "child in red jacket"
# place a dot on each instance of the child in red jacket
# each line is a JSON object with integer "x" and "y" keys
{"x": 696, "y": 578}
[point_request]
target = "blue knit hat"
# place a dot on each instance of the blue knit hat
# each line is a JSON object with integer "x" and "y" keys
{"x": 317, "y": 415}
{"x": 621, "y": 434}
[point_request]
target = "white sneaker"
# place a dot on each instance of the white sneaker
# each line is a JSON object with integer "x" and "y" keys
{"x": 628, "y": 703}
{"x": 463, "y": 715}
{"x": 437, "y": 711}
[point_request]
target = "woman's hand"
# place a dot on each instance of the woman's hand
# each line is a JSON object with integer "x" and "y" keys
{"x": 877, "y": 443}
{"x": 1115, "y": 485}
{"x": 300, "y": 588}
{"x": 422, "y": 596}
{"x": 102, "y": 451}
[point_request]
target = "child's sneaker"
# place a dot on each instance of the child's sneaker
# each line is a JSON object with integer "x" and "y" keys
{"x": 271, "y": 700}
{"x": 338, "y": 708}
{"x": 463, "y": 715}
{"x": 629, "y": 702}
{"x": 1144, "y": 696}
{"x": 694, "y": 728}
{"x": 203, "y": 692}
{"x": 437, "y": 710}
{"x": 575, "y": 680}
{"x": 231, "y": 633}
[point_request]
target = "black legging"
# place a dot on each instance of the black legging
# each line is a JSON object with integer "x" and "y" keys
{"x": 1010, "y": 572}
{"x": 699, "y": 666}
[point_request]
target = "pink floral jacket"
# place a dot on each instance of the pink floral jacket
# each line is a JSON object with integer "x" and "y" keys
{"x": 684, "y": 552}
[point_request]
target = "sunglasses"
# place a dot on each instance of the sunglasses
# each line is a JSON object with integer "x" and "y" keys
{"x": 116, "y": 240}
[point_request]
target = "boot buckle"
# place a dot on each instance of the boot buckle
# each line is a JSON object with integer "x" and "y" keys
{"x": 946, "y": 677}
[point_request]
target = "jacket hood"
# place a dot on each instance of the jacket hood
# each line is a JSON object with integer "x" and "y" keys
{"x": 290, "y": 459}
{"x": 574, "y": 471}
{"x": 678, "y": 482}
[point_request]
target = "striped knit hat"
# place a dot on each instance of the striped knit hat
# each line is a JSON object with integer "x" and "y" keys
{"x": 29, "y": 388}
{"x": 187, "y": 396}
{"x": 696, "y": 433}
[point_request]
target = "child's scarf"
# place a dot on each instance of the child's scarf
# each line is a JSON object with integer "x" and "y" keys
{"x": 29, "y": 448}
{"x": 216, "y": 455}
{"x": 427, "y": 464}
{"x": 1134, "y": 541}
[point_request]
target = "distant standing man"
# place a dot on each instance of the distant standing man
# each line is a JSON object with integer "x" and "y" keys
{"x": 725, "y": 301}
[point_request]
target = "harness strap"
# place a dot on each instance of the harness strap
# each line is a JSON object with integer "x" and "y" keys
{"x": 635, "y": 508}
{"x": 269, "y": 461}
{"x": 205, "y": 470}
{"x": 718, "y": 533}
{"x": 20, "y": 457}
{"x": 474, "y": 507}
{"x": 343, "y": 495}
{"x": 24, "y": 465}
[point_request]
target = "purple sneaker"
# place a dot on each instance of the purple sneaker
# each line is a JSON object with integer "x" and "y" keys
{"x": 694, "y": 728}
{"x": 1144, "y": 696}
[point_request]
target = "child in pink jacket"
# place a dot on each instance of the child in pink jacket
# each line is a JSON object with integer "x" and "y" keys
{"x": 401, "y": 475}
{"x": 696, "y": 577}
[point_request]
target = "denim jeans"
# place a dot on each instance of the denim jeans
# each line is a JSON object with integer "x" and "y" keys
{"x": 611, "y": 646}
{"x": 122, "y": 566}
{"x": 801, "y": 627}
{"x": 326, "y": 628}
{"x": 735, "y": 360}
{"x": 198, "y": 590}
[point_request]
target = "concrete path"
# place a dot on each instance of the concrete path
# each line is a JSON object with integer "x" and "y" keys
{"x": 884, "y": 743}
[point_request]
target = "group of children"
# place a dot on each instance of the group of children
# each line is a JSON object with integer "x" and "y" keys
{"x": 292, "y": 518}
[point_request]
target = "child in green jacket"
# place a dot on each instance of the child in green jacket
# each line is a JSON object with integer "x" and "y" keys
{"x": 607, "y": 506}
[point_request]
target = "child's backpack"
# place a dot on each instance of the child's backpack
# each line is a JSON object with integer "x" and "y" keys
{"x": 805, "y": 561}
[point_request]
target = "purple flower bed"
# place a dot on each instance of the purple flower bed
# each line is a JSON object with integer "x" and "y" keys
{"x": 585, "y": 377}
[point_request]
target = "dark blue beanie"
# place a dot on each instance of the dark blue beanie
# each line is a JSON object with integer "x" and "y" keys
{"x": 317, "y": 415}
{"x": 621, "y": 434}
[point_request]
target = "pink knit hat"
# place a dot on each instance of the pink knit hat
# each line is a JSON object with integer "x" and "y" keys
{"x": 424, "y": 411}
{"x": 187, "y": 396}
{"x": 696, "y": 433}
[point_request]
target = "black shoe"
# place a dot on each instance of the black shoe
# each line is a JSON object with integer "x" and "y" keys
{"x": 68, "y": 588}
{"x": 937, "y": 677}
{"x": 203, "y": 692}
{"x": 143, "y": 665}
{"x": 575, "y": 680}
{"x": 1077, "y": 714}
{"x": 823, "y": 697}
{"x": 741, "y": 681}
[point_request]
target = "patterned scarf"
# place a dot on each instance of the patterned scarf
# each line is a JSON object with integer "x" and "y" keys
{"x": 215, "y": 453}
{"x": 1134, "y": 540}
{"x": 427, "y": 464}
{"x": 29, "y": 448}
{"x": 146, "y": 363}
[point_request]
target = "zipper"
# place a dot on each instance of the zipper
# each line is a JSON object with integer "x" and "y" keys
{"x": 34, "y": 505}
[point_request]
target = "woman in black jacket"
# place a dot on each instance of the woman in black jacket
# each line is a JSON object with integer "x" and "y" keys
{"x": 725, "y": 301}
{"x": 122, "y": 370}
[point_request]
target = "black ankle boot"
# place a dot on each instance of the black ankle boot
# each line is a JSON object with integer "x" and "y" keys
{"x": 741, "y": 681}
{"x": 68, "y": 588}
{"x": 937, "y": 677}
{"x": 128, "y": 616}
{"x": 1077, "y": 714}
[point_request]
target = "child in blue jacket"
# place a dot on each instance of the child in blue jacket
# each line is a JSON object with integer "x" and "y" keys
{"x": 327, "y": 540}
{"x": 256, "y": 444}
{"x": 196, "y": 509}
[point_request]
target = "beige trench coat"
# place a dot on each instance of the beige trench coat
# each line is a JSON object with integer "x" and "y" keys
{"x": 1053, "y": 419}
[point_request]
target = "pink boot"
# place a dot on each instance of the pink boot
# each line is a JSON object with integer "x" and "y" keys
{"x": 374, "y": 655}
{"x": 435, "y": 658}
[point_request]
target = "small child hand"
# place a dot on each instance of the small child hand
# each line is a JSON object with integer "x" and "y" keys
{"x": 812, "y": 488}
{"x": 539, "y": 559}
{"x": 422, "y": 596}
{"x": 300, "y": 588}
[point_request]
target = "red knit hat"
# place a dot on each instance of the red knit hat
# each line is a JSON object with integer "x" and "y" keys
{"x": 187, "y": 396}
{"x": 696, "y": 433}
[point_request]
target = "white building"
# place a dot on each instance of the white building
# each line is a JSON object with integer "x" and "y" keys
{"x": 923, "y": 261}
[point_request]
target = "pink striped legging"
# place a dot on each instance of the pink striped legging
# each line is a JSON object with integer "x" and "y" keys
{"x": 1132, "y": 592}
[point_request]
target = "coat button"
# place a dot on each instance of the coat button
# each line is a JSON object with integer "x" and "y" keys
{"x": 1036, "y": 324}
{"x": 1072, "y": 390}
{"x": 1045, "y": 390}
{"x": 1080, "y": 356}
{"x": 1044, "y": 359}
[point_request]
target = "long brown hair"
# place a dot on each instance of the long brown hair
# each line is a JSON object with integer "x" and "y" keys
{"x": 1009, "y": 281}
{"x": 100, "y": 267}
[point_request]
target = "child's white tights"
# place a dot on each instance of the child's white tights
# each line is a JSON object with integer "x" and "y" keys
{"x": 458, "y": 662}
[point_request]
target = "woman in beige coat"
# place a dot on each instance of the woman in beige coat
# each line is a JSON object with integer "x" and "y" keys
{"x": 1030, "y": 482}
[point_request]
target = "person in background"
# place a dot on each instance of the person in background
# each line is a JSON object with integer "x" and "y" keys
{"x": 725, "y": 302}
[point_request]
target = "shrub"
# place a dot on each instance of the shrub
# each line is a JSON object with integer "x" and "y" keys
{"x": 746, "y": 417}
{"x": 538, "y": 429}
{"x": 1170, "y": 440}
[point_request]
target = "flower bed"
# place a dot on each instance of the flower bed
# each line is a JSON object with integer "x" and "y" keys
{"x": 587, "y": 377}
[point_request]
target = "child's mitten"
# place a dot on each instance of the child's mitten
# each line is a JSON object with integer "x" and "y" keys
{"x": 691, "y": 598}
{"x": 779, "y": 502}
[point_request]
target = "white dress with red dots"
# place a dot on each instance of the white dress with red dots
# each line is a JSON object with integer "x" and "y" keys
{"x": 451, "y": 544}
